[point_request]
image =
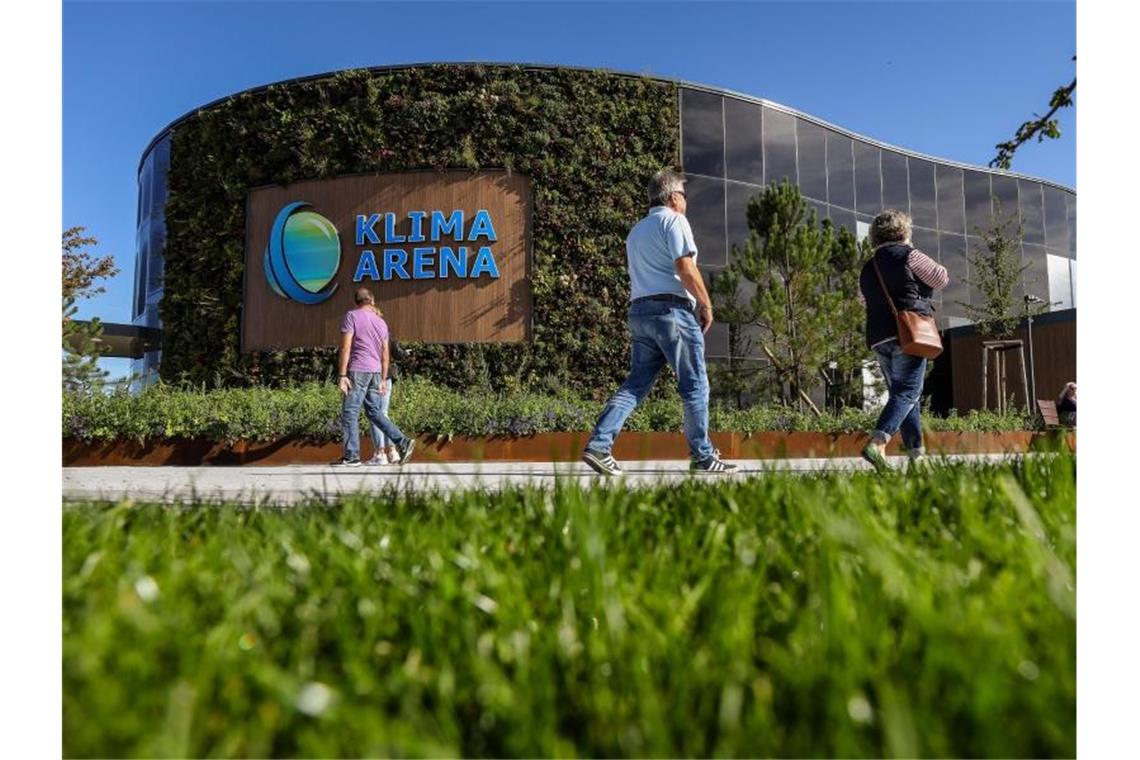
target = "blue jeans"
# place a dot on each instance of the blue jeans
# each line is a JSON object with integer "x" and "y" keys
{"x": 662, "y": 332}
{"x": 904, "y": 375}
{"x": 365, "y": 390}
{"x": 379, "y": 439}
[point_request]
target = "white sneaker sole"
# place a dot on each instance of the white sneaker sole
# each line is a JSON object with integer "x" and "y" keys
{"x": 598, "y": 466}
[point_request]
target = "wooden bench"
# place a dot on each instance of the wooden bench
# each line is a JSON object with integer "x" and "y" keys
{"x": 1048, "y": 409}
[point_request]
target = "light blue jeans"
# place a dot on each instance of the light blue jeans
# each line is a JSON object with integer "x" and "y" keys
{"x": 904, "y": 375}
{"x": 663, "y": 332}
{"x": 365, "y": 390}
{"x": 379, "y": 440}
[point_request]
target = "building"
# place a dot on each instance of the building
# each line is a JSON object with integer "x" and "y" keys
{"x": 730, "y": 145}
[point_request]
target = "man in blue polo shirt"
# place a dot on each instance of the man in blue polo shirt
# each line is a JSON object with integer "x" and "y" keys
{"x": 669, "y": 314}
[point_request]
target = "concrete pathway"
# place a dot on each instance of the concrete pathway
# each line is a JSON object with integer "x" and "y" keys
{"x": 297, "y": 483}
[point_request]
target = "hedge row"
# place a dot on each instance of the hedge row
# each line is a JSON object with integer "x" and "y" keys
{"x": 424, "y": 408}
{"x": 588, "y": 140}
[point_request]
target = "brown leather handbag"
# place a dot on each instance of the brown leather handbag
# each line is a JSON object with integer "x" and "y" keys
{"x": 918, "y": 334}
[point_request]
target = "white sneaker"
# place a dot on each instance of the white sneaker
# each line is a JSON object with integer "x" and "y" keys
{"x": 377, "y": 459}
{"x": 393, "y": 455}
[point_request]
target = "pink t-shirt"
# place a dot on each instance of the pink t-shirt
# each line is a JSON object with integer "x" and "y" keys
{"x": 368, "y": 335}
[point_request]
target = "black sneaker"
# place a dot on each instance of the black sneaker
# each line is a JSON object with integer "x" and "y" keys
{"x": 713, "y": 464}
{"x": 346, "y": 462}
{"x": 405, "y": 451}
{"x": 603, "y": 464}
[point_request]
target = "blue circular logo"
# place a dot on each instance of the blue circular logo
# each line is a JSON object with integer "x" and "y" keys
{"x": 303, "y": 255}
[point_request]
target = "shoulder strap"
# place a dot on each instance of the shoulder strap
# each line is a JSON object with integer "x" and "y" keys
{"x": 883, "y": 284}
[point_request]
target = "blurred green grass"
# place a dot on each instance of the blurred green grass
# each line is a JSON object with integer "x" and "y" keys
{"x": 834, "y": 615}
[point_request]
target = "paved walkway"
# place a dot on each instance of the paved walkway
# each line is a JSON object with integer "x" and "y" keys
{"x": 288, "y": 485}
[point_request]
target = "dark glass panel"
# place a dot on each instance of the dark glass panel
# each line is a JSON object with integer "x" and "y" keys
{"x": 702, "y": 133}
{"x": 922, "y": 193}
{"x": 951, "y": 203}
{"x": 716, "y": 341}
{"x": 1032, "y": 212}
{"x": 150, "y": 315}
{"x": 896, "y": 192}
{"x": 706, "y": 217}
{"x": 751, "y": 342}
{"x": 146, "y": 179}
{"x": 953, "y": 256}
{"x": 868, "y": 179}
{"x": 1036, "y": 275}
{"x": 779, "y": 147}
{"x": 812, "y": 150}
{"x": 156, "y": 263}
{"x": 841, "y": 217}
{"x": 925, "y": 240}
{"x": 139, "y": 204}
{"x": 140, "y": 271}
{"x": 738, "y": 196}
{"x": 743, "y": 150}
{"x": 951, "y": 243}
{"x": 1056, "y": 220}
{"x": 158, "y": 179}
{"x": 1005, "y": 196}
{"x": 1071, "y": 208}
{"x": 840, "y": 171}
{"x": 978, "y": 203}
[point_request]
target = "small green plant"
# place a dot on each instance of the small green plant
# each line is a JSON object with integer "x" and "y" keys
{"x": 996, "y": 271}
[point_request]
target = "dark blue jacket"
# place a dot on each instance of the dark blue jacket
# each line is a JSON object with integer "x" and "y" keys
{"x": 908, "y": 292}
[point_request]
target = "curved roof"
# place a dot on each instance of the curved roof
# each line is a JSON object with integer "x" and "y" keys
{"x": 664, "y": 80}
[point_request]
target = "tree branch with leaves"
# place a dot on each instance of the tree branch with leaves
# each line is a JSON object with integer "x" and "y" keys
{"x": 81, "y": 271}
{"x": 1039, "y": 127}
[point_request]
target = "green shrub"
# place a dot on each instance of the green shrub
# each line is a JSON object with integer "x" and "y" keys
{"x": 929, "y": 615}
{"x": 421, "y": 407}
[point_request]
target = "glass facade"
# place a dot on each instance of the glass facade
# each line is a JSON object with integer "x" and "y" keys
{"x": 731, "y": 146}
{"x": 150, "y": 247}
{"x": 729, "y": 143}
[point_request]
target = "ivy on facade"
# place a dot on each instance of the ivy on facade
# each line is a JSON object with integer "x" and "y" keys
{"x": 588, "y": 140}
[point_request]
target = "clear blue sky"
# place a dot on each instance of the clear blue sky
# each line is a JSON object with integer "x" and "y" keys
{"x": 947, "y": 79}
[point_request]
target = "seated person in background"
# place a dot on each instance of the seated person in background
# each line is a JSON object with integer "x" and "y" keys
{"x": 1067, "y": 405}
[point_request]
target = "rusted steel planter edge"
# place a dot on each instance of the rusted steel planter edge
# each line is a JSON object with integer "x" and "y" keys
{"x": 543, "y": 447}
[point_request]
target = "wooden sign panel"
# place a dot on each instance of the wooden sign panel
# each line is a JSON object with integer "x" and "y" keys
{"x": 446, "y": 254}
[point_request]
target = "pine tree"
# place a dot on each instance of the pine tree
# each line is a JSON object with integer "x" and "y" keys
{"x": 806, "y": 305}
{"x": 735, "y": 377}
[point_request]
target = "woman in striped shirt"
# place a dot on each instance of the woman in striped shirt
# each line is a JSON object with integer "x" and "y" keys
{"x": 911, "y": 277}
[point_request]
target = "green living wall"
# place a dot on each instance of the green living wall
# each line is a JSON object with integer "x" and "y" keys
{"x": 589, "y": 141}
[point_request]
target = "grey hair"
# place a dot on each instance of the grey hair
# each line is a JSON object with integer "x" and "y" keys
{"x": 665, "y": 183}
{"x": 890, "y": 226}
